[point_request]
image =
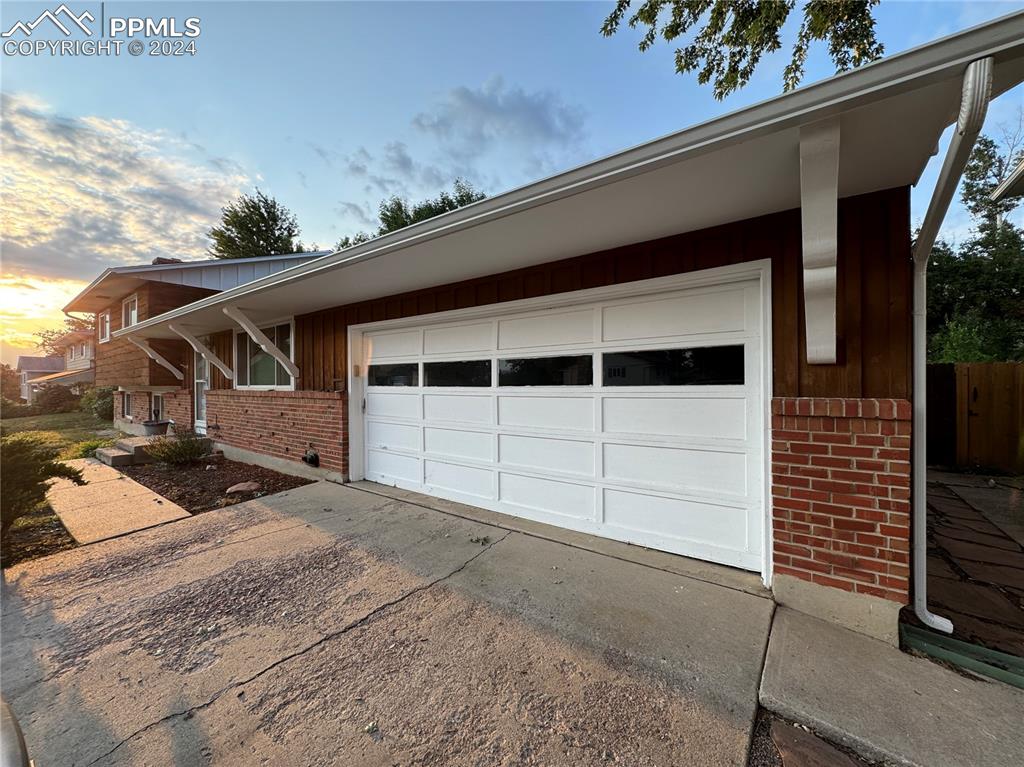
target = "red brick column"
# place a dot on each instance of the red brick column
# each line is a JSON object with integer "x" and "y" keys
{"x": 178, "y": 407}
{"x": 281, "y": 423}
{"x": 841, "y": 493}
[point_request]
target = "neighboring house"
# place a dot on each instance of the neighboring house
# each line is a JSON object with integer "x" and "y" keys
{"x": 32, "y": 370}
{"x": 79, "y": 348}
{"x": 702, "y": 345}
{"x": 125, "y": 295}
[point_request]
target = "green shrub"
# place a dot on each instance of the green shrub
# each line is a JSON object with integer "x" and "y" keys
{"x": 26, "y": 463}
{"x": 184, "y": 446}
{"x": 98, "y": 400}
{"x": 56, "y": 399}
{"x": 85, "y": 449}
{"x": 11, "y": 409}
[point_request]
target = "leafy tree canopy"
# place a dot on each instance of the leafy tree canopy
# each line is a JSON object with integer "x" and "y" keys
{"x": 48, "y": 339}
{"x": 397, "y": 213}
{"x": 727, "y": 38}
{"x": 255, "y": 225}
{"x": 976, "y": 291}
{"x": 10, "y": 383}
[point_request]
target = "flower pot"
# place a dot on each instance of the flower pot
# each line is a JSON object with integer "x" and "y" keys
{"x": 154, "y": 428}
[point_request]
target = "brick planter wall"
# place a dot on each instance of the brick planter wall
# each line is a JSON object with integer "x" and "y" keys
{"x": 281, "y": 423}
{"x": 841, "y": 493}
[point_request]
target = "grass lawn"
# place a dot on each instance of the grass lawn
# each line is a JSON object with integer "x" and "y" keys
{"x": 76, "y": 434}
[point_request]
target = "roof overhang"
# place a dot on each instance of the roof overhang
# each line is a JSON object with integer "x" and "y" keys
{"x": 1012, "y": 186}
{"x": 890, "y": 116}
{"x": 66, "y": 377}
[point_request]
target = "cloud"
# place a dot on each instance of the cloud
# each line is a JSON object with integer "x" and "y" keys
{"x": 358, "y": 212}
{"x": 85, "y": 193}
{"x": 497, "y": 119}
{"x": 30, "y": 304}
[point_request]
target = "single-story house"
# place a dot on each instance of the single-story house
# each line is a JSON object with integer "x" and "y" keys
{"x": 711, "y": 344}
{"x": 33, "y": 369}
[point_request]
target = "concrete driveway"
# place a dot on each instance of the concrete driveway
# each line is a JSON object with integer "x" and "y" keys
{"x": 330, "y": 625}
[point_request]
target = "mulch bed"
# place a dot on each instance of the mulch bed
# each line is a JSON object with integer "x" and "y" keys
{"x": 197, "y": 488}
{"x": 36, "y": 535}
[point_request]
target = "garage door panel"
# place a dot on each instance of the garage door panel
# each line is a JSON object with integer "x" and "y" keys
{"x": 680, "y": 316}
{"x": 459, "y": 443}
{"x": 546, "y": 453}
{"x": 392, "y": 405}
{"x": 460, "y": 338}
{"x": 677, "y": 468}
{"x": 547, "y": 330}
{"x": 547, "y": 495}
{"x": 676, "y": 518}
{"x": 465, "y": 480}
{"x": 406, "y": 343}
{"x": 696, "y": 417}
{"x": 392, "y": 436}
{"x": 573, "y": 413}
{"x": 387, "y": 465}
{"x": 457, "y": 408}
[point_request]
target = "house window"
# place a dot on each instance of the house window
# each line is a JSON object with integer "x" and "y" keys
{"x": 72, "y": 351}
{"x": 575, "y": 370}
{"x": 255, "y": 368}
{"x": 103, "y": 326}
{"x": 81, "y": 351}
{"x": 461, "y": 373}
{"x": 126, "y": 405}
{"x": 157, "y": 407}
{"x": 701, "y": 366}
{"x": 129, "y": 311}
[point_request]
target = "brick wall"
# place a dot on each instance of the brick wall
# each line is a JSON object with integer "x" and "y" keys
{"x": 281, "y": 423}
{"x": 178, "y": 407}
{"x": 841, "y": 493}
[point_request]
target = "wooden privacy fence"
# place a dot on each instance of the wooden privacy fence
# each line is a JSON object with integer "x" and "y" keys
{"x": 976, "y": 415}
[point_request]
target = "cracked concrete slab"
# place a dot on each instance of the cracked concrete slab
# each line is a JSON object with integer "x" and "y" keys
{"x": 278, "y": 630}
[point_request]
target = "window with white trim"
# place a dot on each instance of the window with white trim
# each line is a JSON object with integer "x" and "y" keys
{"x": 129, "y": 311}
{"x": 255, "y": 368}
{"x": 103, "y": 326}
{"x": 72, "y": 351}
{"x": 126, "y": 405}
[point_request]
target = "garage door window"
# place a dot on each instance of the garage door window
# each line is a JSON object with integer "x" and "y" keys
{"x": 395, "y": 375}
{"x": 703, "y": 366}
{"x": 577, "y": 370}
{"x": 461, "y": 373}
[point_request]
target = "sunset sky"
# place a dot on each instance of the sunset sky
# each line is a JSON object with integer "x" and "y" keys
{"x": 331, "y": 107}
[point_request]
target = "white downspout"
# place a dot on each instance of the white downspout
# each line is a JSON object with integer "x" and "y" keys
{"x": 977, "y": 89}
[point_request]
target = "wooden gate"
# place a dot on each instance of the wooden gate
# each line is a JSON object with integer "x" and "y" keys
{"x": 990, "y": 415}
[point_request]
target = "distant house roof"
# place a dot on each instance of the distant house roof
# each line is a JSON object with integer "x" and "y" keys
{"x": 67, "y": 376}
{"x": 40, "y": 364}
{"x": 213, "y": 273}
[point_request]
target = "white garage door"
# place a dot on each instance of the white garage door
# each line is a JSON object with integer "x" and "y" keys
{"x": 637, "y": 418}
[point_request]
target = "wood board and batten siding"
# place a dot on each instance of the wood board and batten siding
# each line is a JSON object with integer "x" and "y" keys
{"x": 873, "y": 313}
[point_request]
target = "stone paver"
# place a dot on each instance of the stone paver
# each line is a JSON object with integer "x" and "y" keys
{"x": 327, "y": 625}
{"x": 108, "y": 506}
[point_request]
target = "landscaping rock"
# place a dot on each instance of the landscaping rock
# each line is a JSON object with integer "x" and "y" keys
{"x": 243, "y": 487}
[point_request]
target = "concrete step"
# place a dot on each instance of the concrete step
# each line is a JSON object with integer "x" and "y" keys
{"x": 113, "y": 456}
{"x": 136, "y": 446}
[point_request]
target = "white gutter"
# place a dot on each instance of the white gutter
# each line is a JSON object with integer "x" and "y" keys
{"x": 973, "y": 105}
{"x": 1012, "y": 186}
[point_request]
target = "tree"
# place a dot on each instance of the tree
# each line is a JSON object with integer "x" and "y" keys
{"x": 255, "y": 225}
{"x": 26, "y": 463}
{"x": 10, "y": 383}
{"x": 48, "y": 339}
{"x": 976, "y": 292}
{"x": 397, "y": 213}
{"x": 730, "y": 36}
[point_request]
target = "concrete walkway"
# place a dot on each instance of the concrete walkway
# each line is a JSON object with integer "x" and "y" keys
{"x": 327, "y": 625}
{"x": 885, "y": 704}
{"x": 108, "y": 506}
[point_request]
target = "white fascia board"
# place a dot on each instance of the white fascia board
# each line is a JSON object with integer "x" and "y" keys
{"x": 1012, "y": 186}
{"x": 916, "y": 68}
